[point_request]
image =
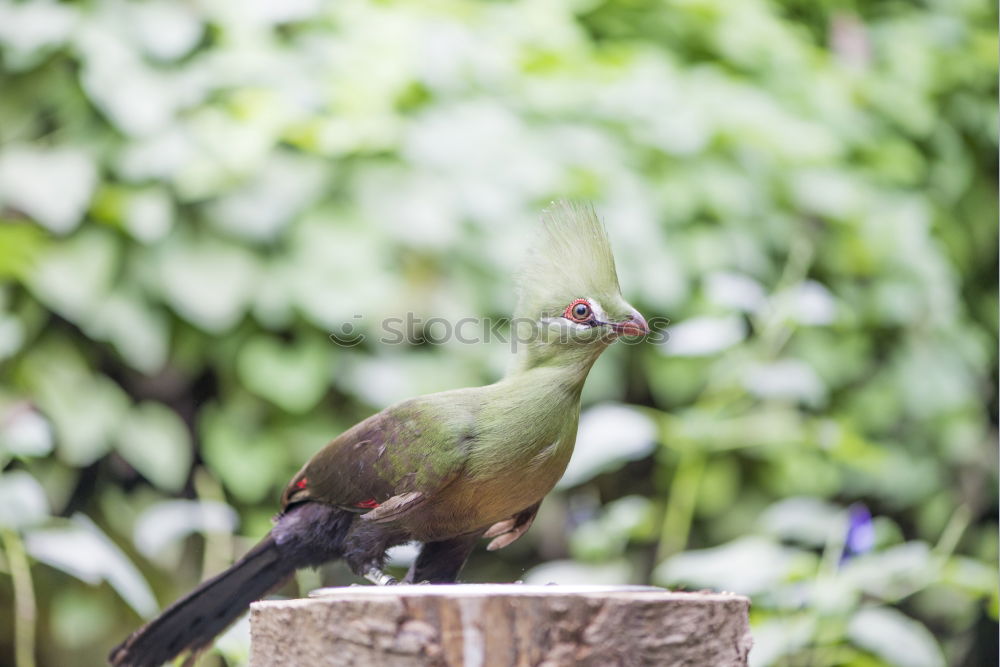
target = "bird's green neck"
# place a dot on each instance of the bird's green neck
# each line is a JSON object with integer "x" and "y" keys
{"x": 561, "y": 364}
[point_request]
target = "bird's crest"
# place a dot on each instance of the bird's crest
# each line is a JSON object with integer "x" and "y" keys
{"x": 571, "y": 259}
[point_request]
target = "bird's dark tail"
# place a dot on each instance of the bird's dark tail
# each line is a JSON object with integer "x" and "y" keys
{"x": 191, "y": 623}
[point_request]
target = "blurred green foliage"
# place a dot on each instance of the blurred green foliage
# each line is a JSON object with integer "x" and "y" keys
{"x": 194, "y": 196}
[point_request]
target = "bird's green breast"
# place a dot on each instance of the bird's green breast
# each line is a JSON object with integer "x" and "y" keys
{"x": 519, "y": 440}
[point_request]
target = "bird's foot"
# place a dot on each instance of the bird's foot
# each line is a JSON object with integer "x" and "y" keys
{"x": 380, "y": 578}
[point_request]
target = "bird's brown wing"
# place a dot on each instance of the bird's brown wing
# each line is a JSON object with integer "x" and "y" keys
{"x": 386, "y": 465}
{"x": 396, "y": 507}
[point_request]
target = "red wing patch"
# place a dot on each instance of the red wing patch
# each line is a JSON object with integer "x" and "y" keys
{"x": 301, "y": 484}
{"x": 369, "y": 504}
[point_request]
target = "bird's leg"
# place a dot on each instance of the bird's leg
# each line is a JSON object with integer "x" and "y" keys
{"x": 440, "y": 562}
{"x": 365, "y": 549}
{"x": 380, "y": 578}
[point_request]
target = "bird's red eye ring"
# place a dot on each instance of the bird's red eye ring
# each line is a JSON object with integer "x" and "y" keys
{"x": 578, "y": 311}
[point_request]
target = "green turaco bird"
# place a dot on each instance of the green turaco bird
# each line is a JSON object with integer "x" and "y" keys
{"x": 444, "y": 469}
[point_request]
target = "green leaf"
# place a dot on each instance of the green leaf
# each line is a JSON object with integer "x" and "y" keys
{"x": 138, "y": 332}
{"x": 609, "y": 436}
{"x": 208, "y": 283}
{"x": 21, "y": 247}
{"x": 85, "y": 409}
{"x": 748, "y": 565}
{"x": 703, "y": 336}
{"x": 81, "y": 549}
{"x": 893, "y": 573}
{"x": 22, "y": 500}
{"x": 155, "y": 441}
{"x": 895, "y": 637}
{"x": 606, "y": 537}
{"x": 293, "y": 377}
{"x": 570, "y": 572}
{"x": 163, "y": 524}
{"x": 24, "y": 432}
{"x": 249, "y": 465}
{"x": 803, "y": 519}
{"x": 30, "y": 30}
{"x": 74, "y": 276}
{"x": 79, "y": 618}
{"x": 53, "y": 186}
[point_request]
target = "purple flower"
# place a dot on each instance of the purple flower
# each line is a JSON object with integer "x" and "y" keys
{"x": 860, "y": 538}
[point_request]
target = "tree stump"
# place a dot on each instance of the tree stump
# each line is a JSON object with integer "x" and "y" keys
{"x": 501, "y": 625}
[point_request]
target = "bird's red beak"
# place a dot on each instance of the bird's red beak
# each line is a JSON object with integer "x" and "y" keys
{"x": 635, "y": 325}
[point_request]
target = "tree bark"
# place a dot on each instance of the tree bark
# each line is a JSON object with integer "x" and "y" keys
{"x": 501, "y": 625}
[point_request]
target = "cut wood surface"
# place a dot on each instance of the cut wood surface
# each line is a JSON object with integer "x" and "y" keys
{"x": 501, "y": 625}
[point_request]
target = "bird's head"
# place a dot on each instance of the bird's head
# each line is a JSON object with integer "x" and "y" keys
{"x": 569, "y": 299}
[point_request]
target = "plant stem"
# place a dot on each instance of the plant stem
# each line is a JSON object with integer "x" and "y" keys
{"x": 218, "y": 548}
{"x": 24, "y": 599}
{"x": 681, "y": 504}
{"x": 953, "y": 532}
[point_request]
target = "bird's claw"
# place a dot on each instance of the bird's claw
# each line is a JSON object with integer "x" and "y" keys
{"x": 500, "y": 527}
{"x": 505, "y": 537}
{"x": 507, "y": 531}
